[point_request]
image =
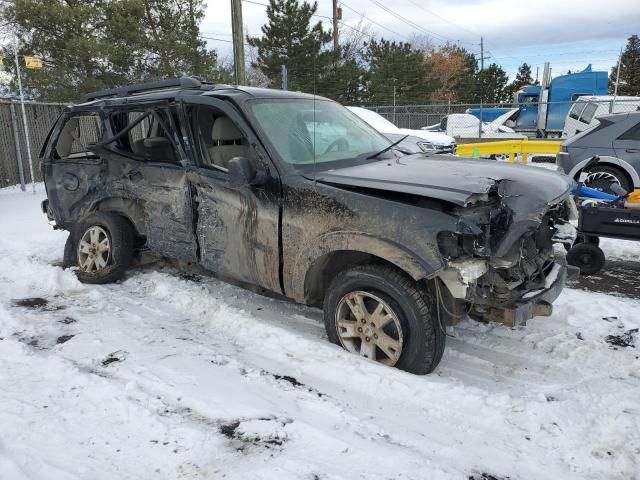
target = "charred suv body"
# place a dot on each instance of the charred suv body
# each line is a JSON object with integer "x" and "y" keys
{"x": 296, "y": 195}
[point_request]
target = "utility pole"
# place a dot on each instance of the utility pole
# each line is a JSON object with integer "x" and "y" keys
{"x": 615, "y": 88}
{"x": 336, "y": 17}
{"x": 25, "y": 126}
{"x": 238, "y": 41}
{"x": 481, "y": 85}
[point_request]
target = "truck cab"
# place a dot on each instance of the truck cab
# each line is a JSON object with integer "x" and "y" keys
{"x": 542, "y": 109}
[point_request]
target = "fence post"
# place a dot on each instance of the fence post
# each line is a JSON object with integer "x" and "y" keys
{"x": 16, "y": 140}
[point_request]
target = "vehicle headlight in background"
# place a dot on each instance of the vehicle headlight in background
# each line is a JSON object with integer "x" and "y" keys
{"x": 426, "y": 146}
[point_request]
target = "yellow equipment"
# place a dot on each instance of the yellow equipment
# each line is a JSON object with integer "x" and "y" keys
{"x": 523, "y": 147}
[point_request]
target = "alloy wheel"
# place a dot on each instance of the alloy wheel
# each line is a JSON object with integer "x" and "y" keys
{"x": 94, "y": 249}
{"x": 368, "y": 326}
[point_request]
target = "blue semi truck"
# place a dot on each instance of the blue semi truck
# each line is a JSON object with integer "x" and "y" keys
{"x": 542, "y": 109}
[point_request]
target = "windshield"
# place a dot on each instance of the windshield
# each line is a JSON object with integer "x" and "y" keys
{"x": 306, "y": 131}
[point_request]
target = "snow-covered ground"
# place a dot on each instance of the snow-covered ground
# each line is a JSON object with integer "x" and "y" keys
{"x": 173, "y": 376}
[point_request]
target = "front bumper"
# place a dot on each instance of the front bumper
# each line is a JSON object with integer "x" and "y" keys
{"x": 46, "y": 209}
{"x": 536, "y": 302}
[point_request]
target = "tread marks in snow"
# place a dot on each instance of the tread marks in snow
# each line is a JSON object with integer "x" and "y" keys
{"x": 298, "y": 385}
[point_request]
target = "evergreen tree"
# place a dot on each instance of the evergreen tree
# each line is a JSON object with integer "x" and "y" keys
{"x": 399, "y": 65}
{"x": 629, "y": 69}
{"x": 344, "y": 82}
{"x": 97, "y": 44}
{"x": 523, "y": 78}
{"x": 289, "y": 38}
{"x": 491, "y": 83}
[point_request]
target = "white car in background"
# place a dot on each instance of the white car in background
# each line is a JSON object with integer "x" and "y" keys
{"x": 587, "y": 109}
{"x": 431, "y": 142}
{"x": 465, "y": 125}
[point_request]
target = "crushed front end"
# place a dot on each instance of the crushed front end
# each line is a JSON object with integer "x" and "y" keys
{"x": 501, "y": 262}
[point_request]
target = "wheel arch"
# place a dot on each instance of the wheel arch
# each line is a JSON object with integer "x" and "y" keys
{"x": 131, "y": 210}
{"x": 609, "y": 161}
{"x": 336, "y": 251}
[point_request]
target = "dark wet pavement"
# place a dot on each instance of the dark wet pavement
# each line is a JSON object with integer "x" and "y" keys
{"x": 621, "y": 277}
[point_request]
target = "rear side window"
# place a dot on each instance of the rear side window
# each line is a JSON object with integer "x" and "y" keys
{"x": 588, "y": 113}
{"x": 78, "y": 136}
{"x": 142, "y": 134}
{"x": 631, "y": 134}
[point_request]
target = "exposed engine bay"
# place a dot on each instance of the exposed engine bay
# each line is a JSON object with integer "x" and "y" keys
{"x": 488, "y": 278}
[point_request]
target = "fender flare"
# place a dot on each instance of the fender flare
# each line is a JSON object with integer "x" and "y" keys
{"x": 609, "y": 160}
{"x": 344, "y": 240}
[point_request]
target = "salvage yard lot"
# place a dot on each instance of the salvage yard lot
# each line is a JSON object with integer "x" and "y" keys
{"x": 181, "y": 376}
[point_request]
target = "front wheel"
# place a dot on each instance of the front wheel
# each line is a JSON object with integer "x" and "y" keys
{"x": 379, "y": 313}
{"x": 101, "y": 247}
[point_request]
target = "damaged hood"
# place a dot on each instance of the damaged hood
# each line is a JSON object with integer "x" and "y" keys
{"x": 454, "y": 180}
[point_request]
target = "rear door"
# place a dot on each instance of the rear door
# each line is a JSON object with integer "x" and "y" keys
{"x": 237, "y": 227}
{"x": 72, "y": 165}
{"x": 627, "y": 145}
{"x": 147, "y": 164}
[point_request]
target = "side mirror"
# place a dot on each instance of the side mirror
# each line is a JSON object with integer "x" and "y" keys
{"x": 243, "y": 172}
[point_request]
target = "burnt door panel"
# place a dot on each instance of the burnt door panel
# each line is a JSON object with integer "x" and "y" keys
{"x": 237, "y": 226}
{"x": 237, "y": 230}
{"x": 70, "y": 186}
{"x": 146, "y": 167}
{"x": 73, "y": 168}
{"x": 167, "y": 197}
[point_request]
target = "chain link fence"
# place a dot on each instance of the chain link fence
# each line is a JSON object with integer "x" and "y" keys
{"x": 14, "y": 157}
{"x": 503, "y": 121}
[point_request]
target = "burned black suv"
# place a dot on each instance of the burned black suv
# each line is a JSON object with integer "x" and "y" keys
{"x": 296, "y": 195}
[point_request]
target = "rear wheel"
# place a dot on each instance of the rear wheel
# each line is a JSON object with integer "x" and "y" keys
{"x": 379, "y": 313}
{"x": 601, "y": 178}
{"x": 588, "y": 257}
{"x": 101, "y": 247}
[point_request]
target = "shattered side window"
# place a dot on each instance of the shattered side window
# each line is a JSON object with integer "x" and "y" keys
{"x": 78, "y": 136}
{"x": 140, "y": 134}
{"x": 142, "y": 130}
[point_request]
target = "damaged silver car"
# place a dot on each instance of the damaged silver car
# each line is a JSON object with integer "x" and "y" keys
{"x": 296, "y": 195}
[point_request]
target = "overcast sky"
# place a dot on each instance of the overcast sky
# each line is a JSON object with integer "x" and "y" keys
{"x": 568, "y": 33}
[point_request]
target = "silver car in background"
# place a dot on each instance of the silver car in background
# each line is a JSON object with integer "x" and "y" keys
{"x": 429, "y": 142}
{"x": 616, "y": 140}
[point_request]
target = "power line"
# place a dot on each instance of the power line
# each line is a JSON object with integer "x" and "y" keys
{"x": 443, "y": 19}
{"x": 408, "y": 22}
{"x": 373, "y": 21}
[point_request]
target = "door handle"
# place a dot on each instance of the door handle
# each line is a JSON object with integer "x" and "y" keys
{"x": 632, "y": 150}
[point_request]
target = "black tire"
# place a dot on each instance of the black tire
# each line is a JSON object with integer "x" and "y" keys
{"x": 121, "y": 238}
{"x": 588, "y": 257}
{"x": 602, "y": 176}
{"x": 424, "y": 340}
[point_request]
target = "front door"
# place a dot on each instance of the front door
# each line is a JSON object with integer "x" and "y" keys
{"x": 237, "y": 227}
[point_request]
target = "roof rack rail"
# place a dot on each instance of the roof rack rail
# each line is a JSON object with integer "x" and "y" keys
{"x": 183, "y": 82}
